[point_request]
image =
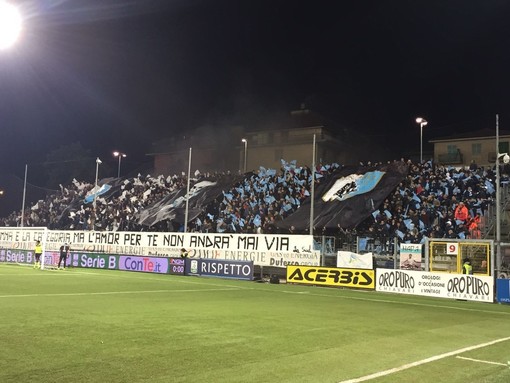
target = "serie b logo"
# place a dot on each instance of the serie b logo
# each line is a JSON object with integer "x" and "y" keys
{"x": 194, "y": 266}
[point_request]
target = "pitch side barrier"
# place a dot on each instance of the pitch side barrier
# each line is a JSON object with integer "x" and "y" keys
{"x": 165, "y": 265}
{"x": 436, "y": 284}
{"x": 264, "y": 250}
{"x": 439, "y": 285}
{"x": 159, "y": 265}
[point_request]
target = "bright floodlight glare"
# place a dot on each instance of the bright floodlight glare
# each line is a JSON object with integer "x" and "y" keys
{"x": 10, "y": 24}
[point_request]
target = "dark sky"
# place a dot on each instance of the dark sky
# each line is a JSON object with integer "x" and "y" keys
{"x": 119, "y": 74}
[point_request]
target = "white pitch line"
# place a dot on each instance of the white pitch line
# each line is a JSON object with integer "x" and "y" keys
{"x": 109, "y": 293}
{"x": 397, "y": 302}
{"x": 482, "y": 361}
{"x": 423, "y": 361}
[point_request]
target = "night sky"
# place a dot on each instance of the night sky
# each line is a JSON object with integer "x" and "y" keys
{"x": 120, "y": 74}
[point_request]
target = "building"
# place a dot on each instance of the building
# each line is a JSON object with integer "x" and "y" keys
{"x": 478, "y": 146}
{"x": 223, "y": 148}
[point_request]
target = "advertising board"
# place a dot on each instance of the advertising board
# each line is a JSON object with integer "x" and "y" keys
{"x": 440, "y": 285}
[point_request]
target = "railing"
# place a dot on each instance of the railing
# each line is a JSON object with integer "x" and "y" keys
{"x": 451, "y": 158}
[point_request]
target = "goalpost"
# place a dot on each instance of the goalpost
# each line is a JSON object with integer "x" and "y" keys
{"x": 17, "y": 246}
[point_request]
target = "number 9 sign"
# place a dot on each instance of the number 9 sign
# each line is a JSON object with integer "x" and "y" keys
{"x": 452, "y": 248}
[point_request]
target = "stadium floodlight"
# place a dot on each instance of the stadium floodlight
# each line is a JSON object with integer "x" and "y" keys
{"x": 422, "y": 122}
{"x": 98, "y": 162}
{"x": 120, "y": 155}
{"x": 245, "y": 141}
{"x": 10, "y": 24}
{"x": 186, "y": 210}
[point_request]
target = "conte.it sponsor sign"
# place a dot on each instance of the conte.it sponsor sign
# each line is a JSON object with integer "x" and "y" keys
{"x": 144, "y": 264}
{"x": 121, "y": 262}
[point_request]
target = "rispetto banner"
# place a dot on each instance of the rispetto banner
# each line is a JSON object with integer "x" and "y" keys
{"x": 262, "y": 249}
{"x": 219, "y": 268}
{"x": 328, "y": 276}
{"x": 440, "y": 285}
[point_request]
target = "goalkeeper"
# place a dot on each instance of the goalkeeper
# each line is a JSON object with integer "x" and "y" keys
{"x": 38, "y": 253}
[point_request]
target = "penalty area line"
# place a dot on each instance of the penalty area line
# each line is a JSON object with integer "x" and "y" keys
{"x": 423, "y": 361}
{"x": 482, "y": 361}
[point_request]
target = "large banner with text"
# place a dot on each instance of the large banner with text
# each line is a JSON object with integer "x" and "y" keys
{"x": 440, "y": 285}
{"x": 261, "y": 249}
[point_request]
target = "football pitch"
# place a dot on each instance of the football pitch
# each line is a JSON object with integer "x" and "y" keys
{"x": 83, "y": 325}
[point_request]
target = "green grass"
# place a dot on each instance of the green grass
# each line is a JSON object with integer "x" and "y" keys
{"x": 106, "y": 326}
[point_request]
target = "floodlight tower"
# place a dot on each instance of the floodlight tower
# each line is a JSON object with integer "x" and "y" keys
{"x": 422, "y": 123}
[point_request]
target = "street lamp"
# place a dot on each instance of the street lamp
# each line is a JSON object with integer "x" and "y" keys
{"x": 98, "y": 162}
{"x": 245, "y": 141}
{"x": 120, "y": 155}
{"x": 422, "y": 123}
{"x": 10, "y": 24}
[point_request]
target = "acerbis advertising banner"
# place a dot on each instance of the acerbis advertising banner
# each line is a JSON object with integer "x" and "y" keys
{"x": 440, "y": 285}
{"x": 219, "y": 268}
{"x": 503, "y": 290}
{"x": 328, "y": 276}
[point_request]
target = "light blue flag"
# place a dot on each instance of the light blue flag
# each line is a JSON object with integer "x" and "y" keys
{"x": 490, "y": 188}
{"x": 363, "y": 244}
{"x": 400, "y": 234}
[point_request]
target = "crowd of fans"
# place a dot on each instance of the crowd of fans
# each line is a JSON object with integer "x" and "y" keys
{"x": 433, "y": 201}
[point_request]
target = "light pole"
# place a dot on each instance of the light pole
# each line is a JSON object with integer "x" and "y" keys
{"x": 422, "y": 123}
{"x": 10, "y": 29}
{"x": 24, "y": 196}
{"x": 10, "y": 24}
{"x": 187, "y": 194}
{"x": 245, "y": 141}
{"x": 121, "y": 156}
{"x": 506, "y": 159}
{"x": 312, "y": 187}
{"x": 98, "y": 162}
